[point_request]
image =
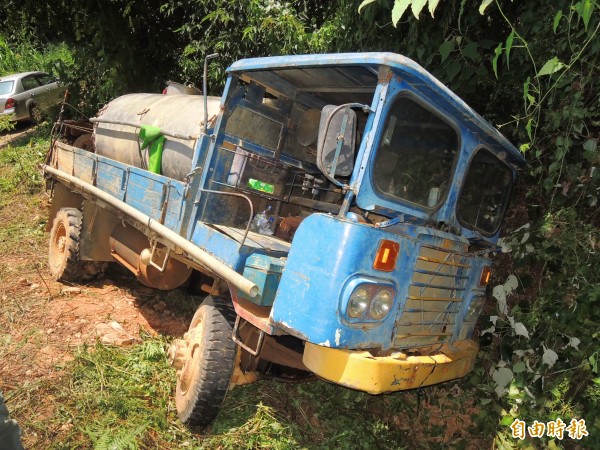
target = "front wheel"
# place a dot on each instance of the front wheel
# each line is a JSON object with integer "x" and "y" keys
{"x": 205, "y": 361}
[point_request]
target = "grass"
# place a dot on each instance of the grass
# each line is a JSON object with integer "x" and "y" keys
{"x": 122, "y": 398}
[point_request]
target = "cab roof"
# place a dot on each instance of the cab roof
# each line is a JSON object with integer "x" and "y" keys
{"x": 335, "y": 75}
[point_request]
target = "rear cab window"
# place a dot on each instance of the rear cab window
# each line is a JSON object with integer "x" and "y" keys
{"x": 485, "y": 193}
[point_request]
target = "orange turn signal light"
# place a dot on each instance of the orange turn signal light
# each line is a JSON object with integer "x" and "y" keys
{"x": 387, "y": 255}
{"x": 486, "y": 274}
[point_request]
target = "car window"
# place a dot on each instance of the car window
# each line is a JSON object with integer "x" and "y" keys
{"x": 45, "y": 79}
{"x": 6, "y": 87}
{"x": 29, "y": 83}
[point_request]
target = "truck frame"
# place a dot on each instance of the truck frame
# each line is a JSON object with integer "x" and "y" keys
{"x": 383, "y": 194}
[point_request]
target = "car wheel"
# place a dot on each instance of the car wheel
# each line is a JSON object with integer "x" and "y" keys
{"x": 205, "y": 360}
{"x": 35, "y": 114}
{"x": 63, "y": 255}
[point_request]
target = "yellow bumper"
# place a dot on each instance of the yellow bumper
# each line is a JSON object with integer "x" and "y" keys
{"x": 376, "y": 375}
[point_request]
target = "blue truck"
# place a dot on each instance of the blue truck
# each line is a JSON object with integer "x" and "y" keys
{"x": 341, "y": 211}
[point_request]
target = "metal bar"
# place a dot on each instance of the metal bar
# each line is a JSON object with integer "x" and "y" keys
{"x": 238, "y": 341}
{"x": 236, "y": 194}
{"x": 439, "y": 274}
{"x": 335, "y": 89}
{"x": 187, "y": 137}
{"x": 435, "y": 299}
{"x": 444, "y": 262}
{"x": 422, "y": 334}
{"x": 194, "y": 252}
{"x": 205, "y": 89}
{"x": 437, "y": 286}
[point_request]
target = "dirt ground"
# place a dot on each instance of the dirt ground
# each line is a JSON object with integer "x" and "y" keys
{"x": 21, "y": 130}
{"x": 57, "y": 318}
{"x": 42, "y": 321}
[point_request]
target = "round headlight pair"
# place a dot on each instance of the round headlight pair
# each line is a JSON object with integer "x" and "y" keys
{"x": 361, "y": 299}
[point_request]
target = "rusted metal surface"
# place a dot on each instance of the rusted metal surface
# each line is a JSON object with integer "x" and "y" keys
{"x": 435, "y": 295}
{"x": 192, "y": 251}
{"x": 254, "y": 314}
{"x": 127, "y": 244}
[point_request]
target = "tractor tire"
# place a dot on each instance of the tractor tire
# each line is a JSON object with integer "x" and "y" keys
{"x": 208, "y": 363}
{"x": 65, "y": 234}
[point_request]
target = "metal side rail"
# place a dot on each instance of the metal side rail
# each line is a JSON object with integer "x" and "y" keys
{"x": 193, "y": 251}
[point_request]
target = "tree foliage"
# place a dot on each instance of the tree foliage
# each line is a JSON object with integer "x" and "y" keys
{"x": 532, "y": 68}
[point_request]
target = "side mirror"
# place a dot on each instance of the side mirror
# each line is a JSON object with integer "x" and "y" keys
{"x": 336, "y": 142}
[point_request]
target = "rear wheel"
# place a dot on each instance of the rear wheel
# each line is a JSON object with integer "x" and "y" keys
{"x": 205, "y": 361}
{"x": 35, "y": 113}
{"x": 65, "y": 235}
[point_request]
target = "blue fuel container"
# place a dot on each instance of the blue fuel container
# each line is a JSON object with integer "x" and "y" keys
{"x": 265, "y": 271}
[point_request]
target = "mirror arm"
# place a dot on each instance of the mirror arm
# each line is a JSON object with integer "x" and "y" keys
{"x": 338, "y": 147}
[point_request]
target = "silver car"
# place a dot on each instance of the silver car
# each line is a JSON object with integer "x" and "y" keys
{"x": 24, "y": 96}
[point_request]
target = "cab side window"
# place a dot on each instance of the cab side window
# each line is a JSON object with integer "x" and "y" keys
{"x": 485, "y": 193}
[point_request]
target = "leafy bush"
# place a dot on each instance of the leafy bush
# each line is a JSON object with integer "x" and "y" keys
{"x": 535, "y": 65}
{"x": 6, "y": 124}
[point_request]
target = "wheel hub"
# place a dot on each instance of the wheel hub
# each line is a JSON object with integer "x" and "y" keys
{"x": 60, "y": 245}
{"x": 182, "y": 355}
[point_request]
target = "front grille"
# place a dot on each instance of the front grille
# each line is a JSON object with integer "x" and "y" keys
{"x": 435, "y": 295}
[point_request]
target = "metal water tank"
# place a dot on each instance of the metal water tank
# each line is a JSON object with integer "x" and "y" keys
{"x": 179, "y": 118}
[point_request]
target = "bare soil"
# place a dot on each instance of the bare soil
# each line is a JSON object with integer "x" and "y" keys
{"x": 21, "y": 131}
{"x": 51, "y": 319}
{"x": 42, "y": 321}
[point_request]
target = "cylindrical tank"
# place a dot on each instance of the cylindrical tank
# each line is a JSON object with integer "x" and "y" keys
{"x": 177, "y": 114}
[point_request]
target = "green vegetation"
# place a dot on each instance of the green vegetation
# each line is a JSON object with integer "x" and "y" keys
{"x": 529, "y": 67}
{"x": 6, "y": 124}
{"x": 19, "y": 178}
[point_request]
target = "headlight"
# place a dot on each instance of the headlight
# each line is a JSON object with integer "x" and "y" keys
{"x": 369, "y": 302}
{"x": 358, "y": 303}
{"x": 474, "y": 309}
{"x": 381, "y": 305}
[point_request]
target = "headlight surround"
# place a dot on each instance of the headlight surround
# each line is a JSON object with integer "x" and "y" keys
{"x": 381, "y": 304}
{"x": 474, "y": 309}
{"x": 358, "y": 303}
{"x": 369, "y": 301}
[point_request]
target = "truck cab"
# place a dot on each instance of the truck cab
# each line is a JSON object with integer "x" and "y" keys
{"x": 344, "y": 209}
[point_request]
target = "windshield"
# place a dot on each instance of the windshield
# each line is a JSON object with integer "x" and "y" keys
{"x": 485, "y": 193}
{"x": 415, "y": 156}
{"x": 6, "y": 87}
